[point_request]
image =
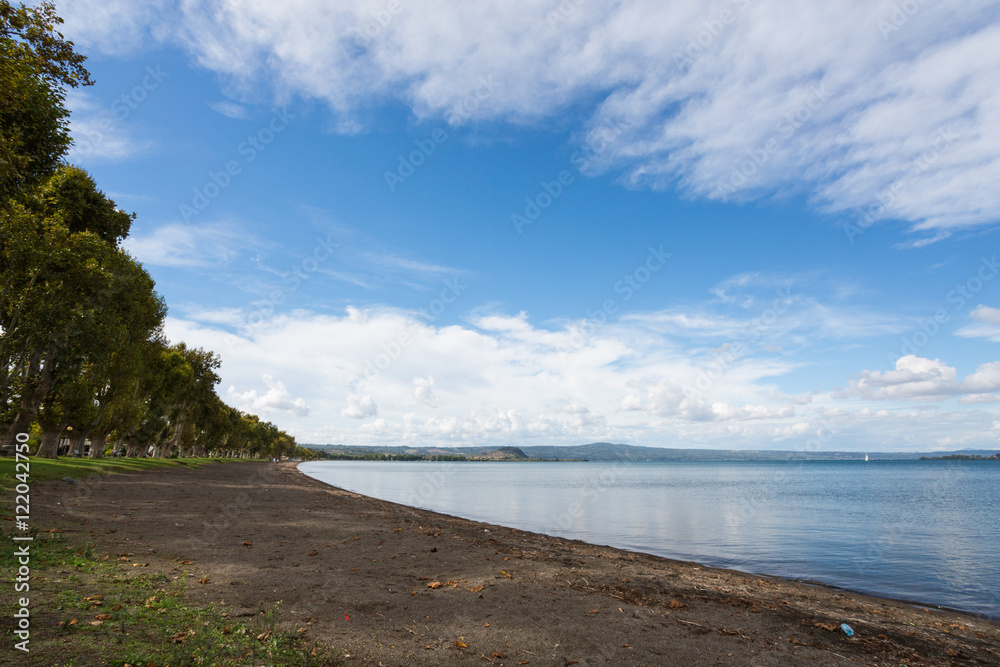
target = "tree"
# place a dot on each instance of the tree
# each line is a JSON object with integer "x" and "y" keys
{"x": 36, "y": 64}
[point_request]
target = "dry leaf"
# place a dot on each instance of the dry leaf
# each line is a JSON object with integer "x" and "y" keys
{"x": 461, "y": 644}
{"x": 179, "y": 637}
{"x": 435, "y": 584}
{"x": 97, "y": 623}
{"x": 827, "y": 626}
{"x": 592, "y": 611}
{"x": 248, "y": 544}
{"x": 314, "y": 552}
{"x": 498, "y": 655}
{"x": 103, "y": 617}
{"x": 204, "y": 580}
{"x": 676, "y": 604}
{"x": 476, "y": 589}
{"x": 264, "y": 636}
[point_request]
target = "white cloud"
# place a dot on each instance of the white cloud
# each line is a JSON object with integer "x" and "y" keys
{"x": 986, "y": 324}
{"x": 98, "y": 132}
{"x": 189, "y": 246}
{"x": 725, "y": 99}
{"x": 923, "y": 379}
{"x": 276, "y": 399}
{"x": 229, "y": 109}
{"x": 423, "y": 392}
{"x": 360, "y": 406}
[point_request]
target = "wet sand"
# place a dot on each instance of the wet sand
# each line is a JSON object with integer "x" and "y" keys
{"x": 389, "y": 584}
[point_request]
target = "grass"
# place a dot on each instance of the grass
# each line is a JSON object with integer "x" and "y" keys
{"x": 42, "y": 470}
{"x": 90, "y": 609}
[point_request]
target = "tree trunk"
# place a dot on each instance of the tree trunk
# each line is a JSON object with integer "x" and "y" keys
{"x": 97, "y": 446}
{"x": 49, "y": 447}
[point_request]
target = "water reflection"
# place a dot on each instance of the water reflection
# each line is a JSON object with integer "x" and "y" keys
{"x": 924, "y": 531}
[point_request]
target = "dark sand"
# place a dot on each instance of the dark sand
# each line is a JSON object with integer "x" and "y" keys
{"x": 356, "y": 571}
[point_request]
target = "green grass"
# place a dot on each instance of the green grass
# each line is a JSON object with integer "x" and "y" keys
{"x": 41, "y": 470}
{"x": 89, "y": 609}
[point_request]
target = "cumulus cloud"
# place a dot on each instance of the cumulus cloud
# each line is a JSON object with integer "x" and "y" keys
{"x": 276, "y": 399}
{"x": 917, "y": 378}
{"x": 865, "y": 109}
{"x": 423, "y": 392}
{"x": 360, "y": 406}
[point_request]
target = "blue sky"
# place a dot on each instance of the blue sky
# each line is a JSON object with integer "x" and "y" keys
{"x": 726, "y": 224}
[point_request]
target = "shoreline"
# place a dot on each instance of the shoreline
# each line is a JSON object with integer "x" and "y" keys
{"x": 398, "y": 585}
{"x": 701, "y": 559}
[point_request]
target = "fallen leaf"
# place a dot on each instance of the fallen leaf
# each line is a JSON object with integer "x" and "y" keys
{"x": 593, "y": 611}
{"x": 264, "y": 636}
{"x": 498, "y": 655}
{"x": 461, "y": 644}
{"x": 435, "y": 584}
{"x": 204, "y": 580}
{"x": 827, "y": 626}
{"x": 103, "y": 617}
{"x": 179, "y": 637}
{"x": 248, "y": 544}
{"x": 97, "y": 623}
{"x": 476, "y": 589}
{"x": 676, "y": 604}
{"x": 314, "y": 552}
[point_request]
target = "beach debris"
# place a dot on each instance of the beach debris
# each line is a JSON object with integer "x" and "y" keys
{"x": 848, "y": 630}
{"x": 435, "y": 585}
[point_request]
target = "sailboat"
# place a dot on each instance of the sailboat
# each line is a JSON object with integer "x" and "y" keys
{"x": 866, "y": 456}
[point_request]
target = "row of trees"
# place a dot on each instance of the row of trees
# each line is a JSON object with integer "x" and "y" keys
{"x": 82, "y": 352}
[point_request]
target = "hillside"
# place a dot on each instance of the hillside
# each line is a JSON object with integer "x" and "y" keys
{"x": 606, "y": 451}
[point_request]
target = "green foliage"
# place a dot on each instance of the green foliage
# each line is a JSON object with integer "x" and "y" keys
{"x": 36, "y": 62}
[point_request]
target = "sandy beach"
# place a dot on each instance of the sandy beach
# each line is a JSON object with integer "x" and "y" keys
{"x": 392, "y": 585}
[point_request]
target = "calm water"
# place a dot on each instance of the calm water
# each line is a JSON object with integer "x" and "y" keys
{"x": 925, "y": 531}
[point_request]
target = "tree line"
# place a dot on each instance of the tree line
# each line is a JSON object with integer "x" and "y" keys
{"x": 82, "y": 350}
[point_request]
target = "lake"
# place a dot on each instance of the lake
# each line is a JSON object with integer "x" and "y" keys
{"x": 922, "y": 531}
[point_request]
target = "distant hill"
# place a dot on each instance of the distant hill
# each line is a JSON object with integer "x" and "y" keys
{"x": 606, "y": 451}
